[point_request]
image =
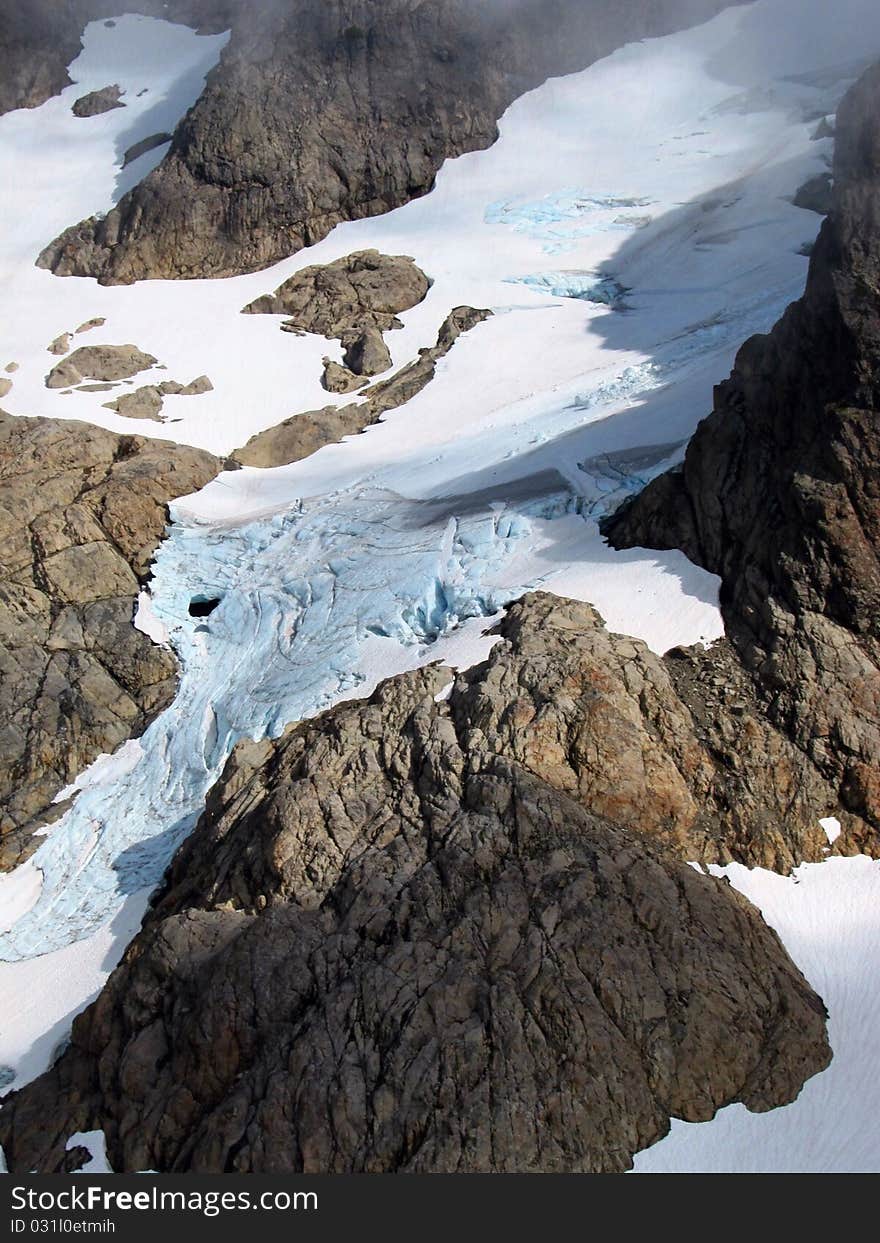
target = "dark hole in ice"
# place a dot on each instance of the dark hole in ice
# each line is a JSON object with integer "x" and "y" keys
{"x": 203, "y": 606}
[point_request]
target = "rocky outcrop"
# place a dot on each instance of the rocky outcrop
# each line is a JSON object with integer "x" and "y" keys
{"x": 338, "y": 379}
{"x": 442, "y": 936}
{"x": 148, "y": 401}
{"x": 778, "y": 493}
{"x": 328, "y": 110}
{"x": 138, "y": 149}
{"x": 363, "y": 290}
{"x": 303, "y": 434}
{"x": 366, "y": 353}
{"x": 60, "y": 345}
{"x": 82, "y": 513}
{"x": 39, "y": 38}
{"x": 99, "y": 362}
{"x": 97, "y": 102}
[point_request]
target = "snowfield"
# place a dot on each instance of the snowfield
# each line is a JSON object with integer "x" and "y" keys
{"x": 630, "y": 229}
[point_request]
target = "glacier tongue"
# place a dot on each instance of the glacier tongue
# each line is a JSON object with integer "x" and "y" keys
{"x": 301, "y": 595}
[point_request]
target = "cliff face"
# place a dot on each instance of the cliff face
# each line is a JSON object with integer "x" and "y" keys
{"x": 329, "y": 110}
{"x": 779, "y": 490}
{"x": 39, "y": 38}
{"x": 446, "y": 936}
{"x": 83, "y": 511}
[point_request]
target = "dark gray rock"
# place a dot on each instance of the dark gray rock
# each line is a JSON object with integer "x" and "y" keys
{"x": 141, "y": 148}
{"x": 97, "y": 102}
{"x": 425, "y": 936}
{"x": 815, "y": 194}
{"x": 328, "y": 110}
{"x": 83, "y": 511}
{"x": 779, "y": 496}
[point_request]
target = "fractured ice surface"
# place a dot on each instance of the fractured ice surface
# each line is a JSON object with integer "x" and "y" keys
{"x": 587, "y": 286}
{"x": 560, "y": 218}
{"x": 300, "y": 595}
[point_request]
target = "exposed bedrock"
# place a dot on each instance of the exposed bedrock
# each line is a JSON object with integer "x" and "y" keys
{"x": 303, "y": 434}
{"x": 451, "y": 936}
{"x": 82, "y": 513}
{"x": 328, "y": 110}
{"x": 362, "y": 290}
{"x": 97, "y": 102}
{"x": 39, "y": 38}
{"x": 779, "y": 491}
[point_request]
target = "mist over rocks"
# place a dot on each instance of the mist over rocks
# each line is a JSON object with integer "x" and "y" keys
{"x": 283, "y": 144}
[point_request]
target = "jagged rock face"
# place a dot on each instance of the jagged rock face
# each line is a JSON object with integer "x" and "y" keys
{"x": 82, "y": 513}
{"x": 426, "y": 936}
{"x": 328, "y": 110}
{"x": 779, "y": 491}
{"x": 360, "y": 291}
{"x": 39, "y": 38}
{"x": 96, "y": 102}
{"x": 303, "y": 434}
{"x": 99, "y": 362}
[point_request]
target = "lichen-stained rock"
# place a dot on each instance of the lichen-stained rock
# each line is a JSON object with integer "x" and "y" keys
{"x": 99, "y": 362}
{"x": 778, "y": 493}
{"x": 360, "y": 291}
{"x": 303, "y": 434}
{"x": 452, "y": 936}
{"x": 366, "y": 353}
{"x": 82, "y": 511}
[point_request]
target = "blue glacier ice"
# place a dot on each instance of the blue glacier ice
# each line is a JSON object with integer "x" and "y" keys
{"x": 585, "y": 286}
{"x": 300, "y": 593}
{"x": 560, "y": 218}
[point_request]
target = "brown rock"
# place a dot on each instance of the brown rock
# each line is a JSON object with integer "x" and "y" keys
{"x": 363, "y": 290}
{"x": 366, "y": 353}
{"x": 338, "y": 379}
{"x": 778, "y": 493}
{"x": 61, "y": 344}
{"x": 96, "y": 102}
{"x": 143, "y": 403}
{"x": 99, "y": 362}
{"x": 304, "y": 434}
{"x": 83, "y": 511}
{"x": 440, "y": 937}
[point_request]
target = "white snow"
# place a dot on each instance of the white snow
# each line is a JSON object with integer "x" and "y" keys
{"x": 827, "y": 916}
{"x": 832, "y": 828}
{"x": 661, "y": 178}
{"x": 96, "y": 1143}
{"x": 41, "y": 997}
{"x": 19, "y": 891}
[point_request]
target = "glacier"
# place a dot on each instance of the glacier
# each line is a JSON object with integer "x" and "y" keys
{"x": 399, "y": 546}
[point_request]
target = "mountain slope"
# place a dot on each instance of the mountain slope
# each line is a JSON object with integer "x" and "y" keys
{"x": 442, "y": 936}
{"x": 83, "y": 512}
{"x": 321, "y": 112}
{"x": 778, "y": 492}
